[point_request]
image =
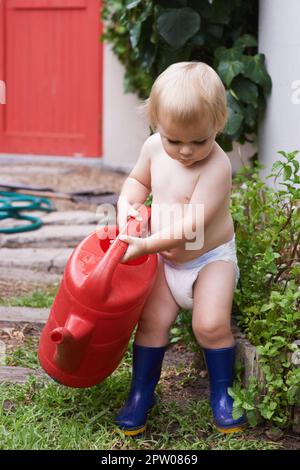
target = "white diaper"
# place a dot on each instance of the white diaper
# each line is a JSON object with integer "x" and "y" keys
{"x": 181, "y": 276}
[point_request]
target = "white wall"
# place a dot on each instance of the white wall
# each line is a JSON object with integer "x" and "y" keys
{"x": 124, "y": 130}
{"x": 241, "y": 154}
{"x": 279, "y": 40}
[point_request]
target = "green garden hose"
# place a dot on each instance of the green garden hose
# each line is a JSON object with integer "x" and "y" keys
{"x": 12, "y": 204}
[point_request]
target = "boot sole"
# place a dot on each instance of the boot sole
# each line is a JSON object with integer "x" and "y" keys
{"x": 134, "y": 432}
{"x": 240, "y": 428}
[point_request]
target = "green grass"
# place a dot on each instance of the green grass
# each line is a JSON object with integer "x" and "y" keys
{"x": 51, "y": 416}
{"x": 46, "y": 415}
{"x": 39, "y": 298}
{"x": 25, "y": 355}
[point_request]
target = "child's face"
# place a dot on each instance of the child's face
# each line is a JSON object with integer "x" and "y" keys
{"x": 188, "y": 144}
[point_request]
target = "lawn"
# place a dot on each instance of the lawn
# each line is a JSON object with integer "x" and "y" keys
{"x": 45, "y": 415}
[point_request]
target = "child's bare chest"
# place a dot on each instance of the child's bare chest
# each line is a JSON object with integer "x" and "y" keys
{"x": 171, "y": 182}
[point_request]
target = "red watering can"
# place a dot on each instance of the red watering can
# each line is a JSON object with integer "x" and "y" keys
{"x": 97, "y": 306}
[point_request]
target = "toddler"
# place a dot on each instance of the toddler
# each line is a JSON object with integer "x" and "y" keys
{"x": 184, "y": 168}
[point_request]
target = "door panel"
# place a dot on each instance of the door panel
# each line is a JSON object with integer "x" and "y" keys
{"x": 51, "y": 61}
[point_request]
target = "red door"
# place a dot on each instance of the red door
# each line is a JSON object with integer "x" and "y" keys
{"x": 51, "y": 65}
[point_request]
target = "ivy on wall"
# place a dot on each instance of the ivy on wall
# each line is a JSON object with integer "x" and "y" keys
{"x": 149, "y": 35}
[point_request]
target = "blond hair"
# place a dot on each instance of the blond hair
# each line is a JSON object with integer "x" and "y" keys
{"x": 187, "y": 92}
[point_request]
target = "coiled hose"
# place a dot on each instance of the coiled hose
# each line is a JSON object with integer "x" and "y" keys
{"x": 12, "y": 204}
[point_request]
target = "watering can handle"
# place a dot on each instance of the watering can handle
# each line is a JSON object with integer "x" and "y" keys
{"x": 99, "y": 281}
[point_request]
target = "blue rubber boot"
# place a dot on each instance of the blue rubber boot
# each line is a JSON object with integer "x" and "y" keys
{"x": 147, "y": 363}
{"x": 220, "y": 366}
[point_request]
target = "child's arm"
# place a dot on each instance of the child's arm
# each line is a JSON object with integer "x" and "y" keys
{"x": 172, "y": 236}
{"x": 136, "y": 187}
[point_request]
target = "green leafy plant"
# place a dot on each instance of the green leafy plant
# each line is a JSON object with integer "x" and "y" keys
{"x": 267, "y": 300}
{"x": 147, "y": 36}
{"x": 182, "y": 331}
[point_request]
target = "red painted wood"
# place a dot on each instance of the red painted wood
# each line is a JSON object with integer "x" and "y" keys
{"x": 38, "y": 4}
{"x": 51, "y": 62}
{"x": 2, "y": 34}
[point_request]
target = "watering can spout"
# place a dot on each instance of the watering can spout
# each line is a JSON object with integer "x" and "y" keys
{"x": 75, "y": 329}
{"x": 61, "y": 335}
{"x": 71, "y": 342}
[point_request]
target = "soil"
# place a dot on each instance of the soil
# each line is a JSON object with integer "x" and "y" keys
{"x": 14, "y": 334}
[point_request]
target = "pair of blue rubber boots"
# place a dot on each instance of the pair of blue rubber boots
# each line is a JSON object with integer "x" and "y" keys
{"x": 147, "y": 364}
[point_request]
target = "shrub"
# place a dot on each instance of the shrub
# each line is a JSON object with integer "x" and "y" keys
{"x": 147, "y": 36}
{"x": 267, "y": 298}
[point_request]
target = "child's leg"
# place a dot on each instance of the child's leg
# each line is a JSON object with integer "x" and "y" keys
{"x": 213, "y": 294}
{"x": 159, "y": 313}
{"x": 152, "y": 337}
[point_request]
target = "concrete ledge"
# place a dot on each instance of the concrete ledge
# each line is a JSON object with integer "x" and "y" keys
{"x": 48, "y": 236}
{"x": 248, "y": 356}
{"x": 51, "y": 260}
{"x": 24, "y": 314}
{"x": 16, "y": 275}
{"x": 71, "y": 218}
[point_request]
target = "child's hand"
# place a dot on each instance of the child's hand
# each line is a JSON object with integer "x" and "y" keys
{"x": 167, "y": 254}
{"x": 125, "y": 211}
{"x": 137, "y": 247}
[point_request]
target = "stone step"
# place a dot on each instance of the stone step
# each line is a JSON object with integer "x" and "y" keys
{"x": 23, "y": 170}
{"x": 16, "y": 275}
{"x": 24, "y": 314}
{"x": 51, "y": 260}
{"x": 66, "y": 236}
{"x": 71, "y": 218}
